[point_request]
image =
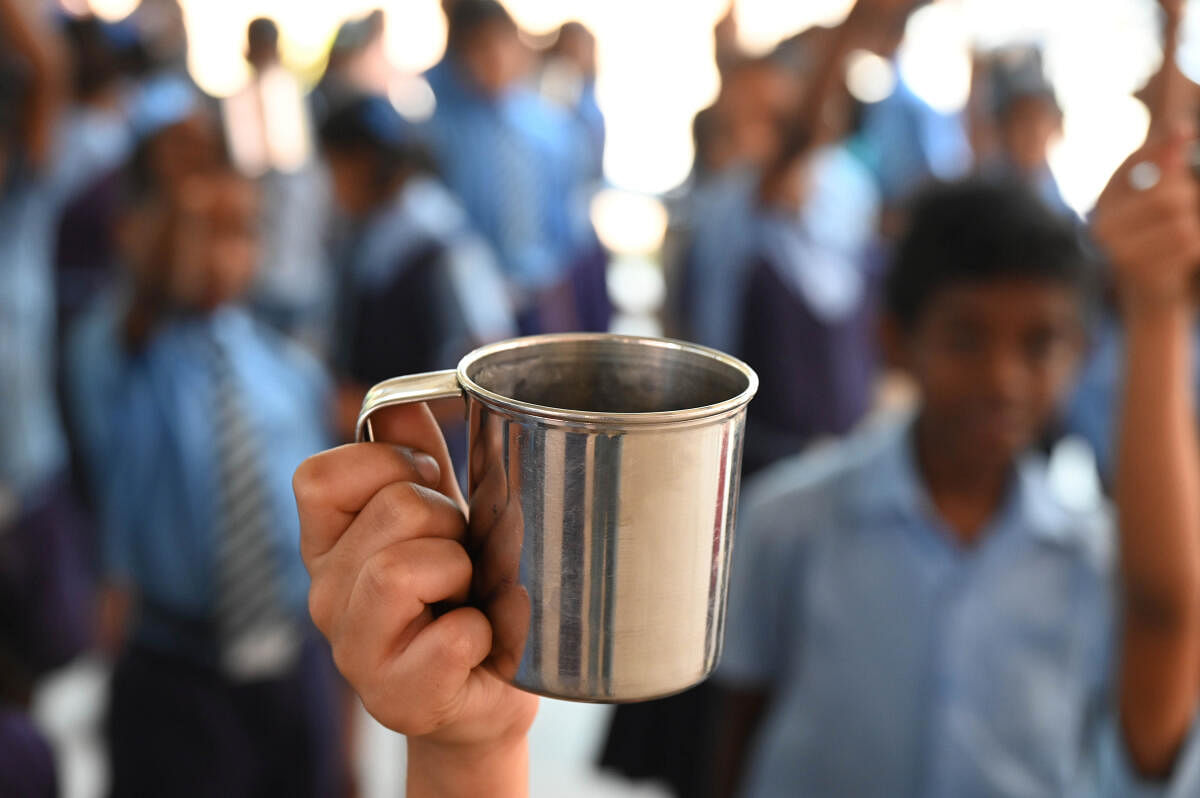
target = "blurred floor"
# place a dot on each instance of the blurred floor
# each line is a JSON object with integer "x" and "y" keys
{"x": 564, "y": 743}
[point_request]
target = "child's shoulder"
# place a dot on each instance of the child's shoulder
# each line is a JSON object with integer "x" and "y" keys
{"x": 820, "y": 487}
{"x": 287, "y": 357}
{"x": 1063, "y": 502}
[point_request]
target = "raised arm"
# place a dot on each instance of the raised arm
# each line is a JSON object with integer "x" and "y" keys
{"x": 1148, "y": 220}
{"x": 382, "y": 536}
{"x": 29, "y": 37}
{"x": 809, "y": 129}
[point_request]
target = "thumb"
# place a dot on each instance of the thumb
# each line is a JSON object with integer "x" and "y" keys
{"x": 414, "y": 426}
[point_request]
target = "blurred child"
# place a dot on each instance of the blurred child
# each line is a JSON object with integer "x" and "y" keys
{"x": 192, "y": 418}
{"x": 357, "y": 64}
{"x": 919, "y": 596}
{"x": 809, "y": 311}
{"x": 905, "y": 141}
{"x": 270, "y": 135}
{"x": 1019, "y": 104}
{"x": 568, "y": 79}
{"x": 419, "y": 288}
{"x": 94, "y": 141}
{"x": 792, "y": 181}
{"x": 513, "y": 160}
{"x": 43, "y": 585}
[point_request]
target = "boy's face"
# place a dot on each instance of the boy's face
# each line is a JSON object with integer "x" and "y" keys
{"x": 189, "y": 147}
{"x": 199, "y": 246}
{"x": 226, "y": 246}
{"x": 1029, "y": 127}
{"x": 992, "y": 360}
{"x": 493, "y": 58}
{"x": 752, "y": 104}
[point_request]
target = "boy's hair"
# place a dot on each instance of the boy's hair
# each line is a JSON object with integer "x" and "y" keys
{"x": 371, "y": 126}
{"x": 262, "y": 32}
{"x": 980, "y": 230}
{"x": 469, "y": 16}
{"x": 1016, "y": 74}
{"x": 137, "y": 182}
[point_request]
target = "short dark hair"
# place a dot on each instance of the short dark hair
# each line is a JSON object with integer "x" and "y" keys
{"x": 369, "y": 125}
{"x": 262, "y": 32}
{"x": 469, "y": 16}
{"x": 137, "y": 183}
{"x": 980, "y": 230}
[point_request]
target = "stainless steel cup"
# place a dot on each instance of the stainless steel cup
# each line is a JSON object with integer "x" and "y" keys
{"x": 603, "y": 480}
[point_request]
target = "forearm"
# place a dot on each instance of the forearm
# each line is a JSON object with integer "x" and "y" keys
{"x": 811, "y": 126}
{"x": 804, "y": 134}
{"x": 440, "y": 771}
{"x": 29, "y": 38}
{"x": 1158, "y": 468}
{"x": 1158, "y": 497}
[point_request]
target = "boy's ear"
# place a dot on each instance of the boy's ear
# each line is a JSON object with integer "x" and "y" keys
{"x": 893, "y": 342}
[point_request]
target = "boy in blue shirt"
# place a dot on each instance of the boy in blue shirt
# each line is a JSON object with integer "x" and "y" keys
{"x": 192, "y": 418}
{"x": 514, "y": 161}
{"x": 918, "y": 611}
{"x": 887, "y": 591}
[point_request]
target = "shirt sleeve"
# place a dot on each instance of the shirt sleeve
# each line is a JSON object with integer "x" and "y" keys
{"x": 97, "y": 371}
{"x": 764, "y": 568}
{"x": 316, "y": 386}
{"x": 1117, "y": 777}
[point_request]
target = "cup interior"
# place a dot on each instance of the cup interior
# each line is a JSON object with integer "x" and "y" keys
{"x": 608, "y": 374}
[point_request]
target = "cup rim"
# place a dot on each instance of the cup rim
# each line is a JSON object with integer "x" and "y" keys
{"x": 723, "y": 407}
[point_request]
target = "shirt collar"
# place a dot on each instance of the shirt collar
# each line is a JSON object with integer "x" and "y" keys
{"x": 894, "y": 489}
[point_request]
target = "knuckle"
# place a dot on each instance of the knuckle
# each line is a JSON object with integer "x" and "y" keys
{"x": 320, "y": 605}
{"x": 460, "y": 640}
{"x": 407, "y": 459}
{"x": 308, "y": 482}
{"x": 403, "y": 505}
{"x": 346, "y": 663}
{"x": 387, "y": 578}
{"x": 457, "y": 644}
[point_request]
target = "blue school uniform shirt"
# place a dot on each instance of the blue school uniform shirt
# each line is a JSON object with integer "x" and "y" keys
{"x": 899, "y": 663}
{"x": 150, "y": 448}
{"x": 469, "y": 302}
{"x": 824, "y": 244}
{"x": 515, "y": 164}
{"x": 32, "y": 446}
{"x": 906, "y": 142}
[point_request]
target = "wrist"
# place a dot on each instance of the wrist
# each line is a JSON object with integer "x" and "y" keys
{"x": 448, "y": 770}
{"x": 1161, "y": 301}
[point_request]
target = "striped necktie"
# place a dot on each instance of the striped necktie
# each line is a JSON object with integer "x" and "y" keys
{"x": 258, "y": 639}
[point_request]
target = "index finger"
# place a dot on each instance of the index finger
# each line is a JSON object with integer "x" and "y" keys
{"x": 334, "y": 486}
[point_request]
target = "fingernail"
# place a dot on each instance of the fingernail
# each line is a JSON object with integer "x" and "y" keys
{"x": 427, "y": 467}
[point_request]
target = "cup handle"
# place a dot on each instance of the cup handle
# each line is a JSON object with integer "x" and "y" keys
{"x": 403, "y": 390}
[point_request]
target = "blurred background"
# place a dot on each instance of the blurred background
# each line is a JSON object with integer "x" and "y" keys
{"x": 375, "y": 188}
